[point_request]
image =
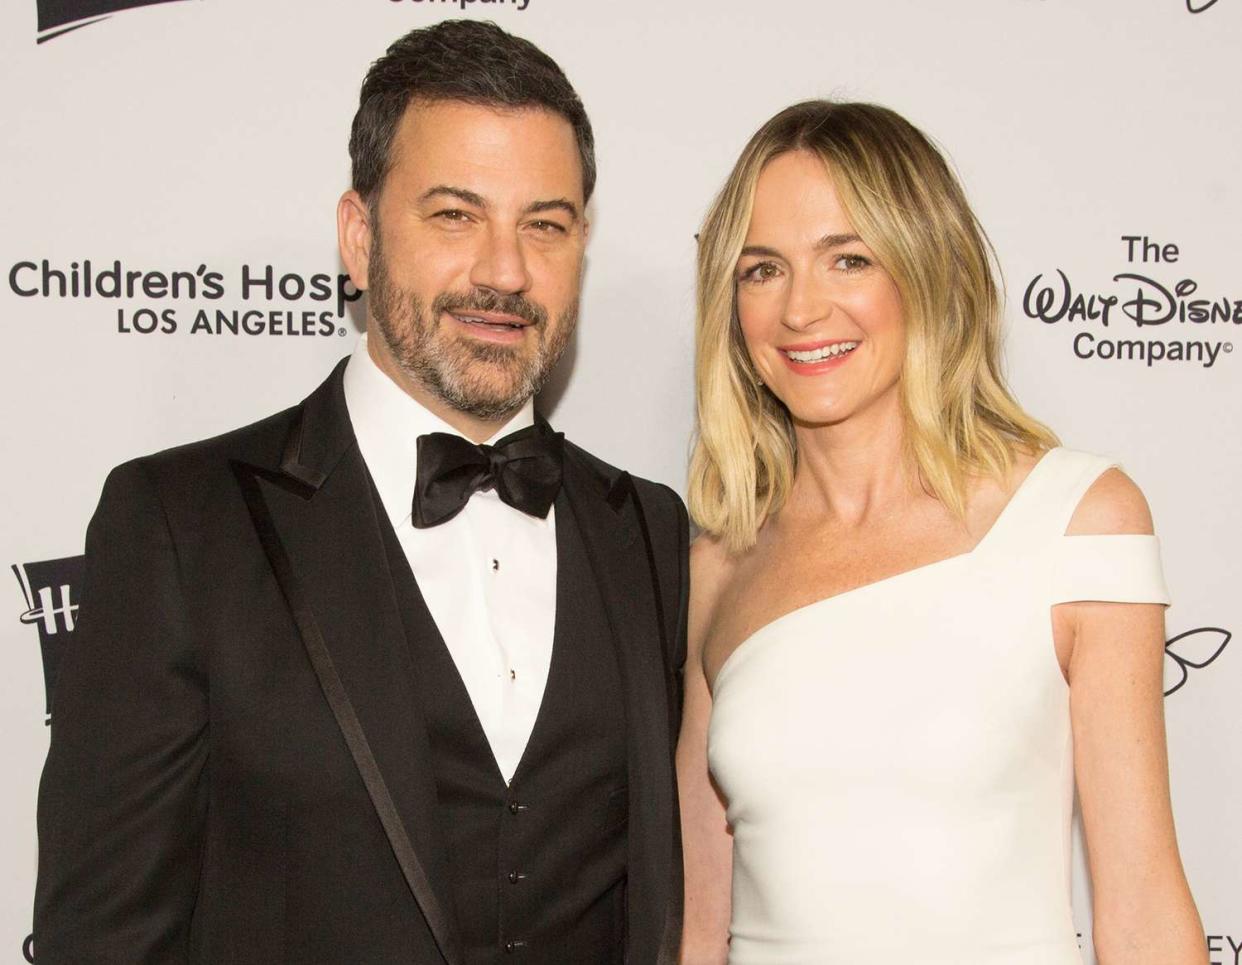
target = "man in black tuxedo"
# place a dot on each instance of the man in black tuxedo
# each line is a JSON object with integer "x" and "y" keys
{"x": 348, "y": 685}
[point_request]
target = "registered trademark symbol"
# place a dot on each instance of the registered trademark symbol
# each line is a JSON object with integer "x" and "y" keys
{"x": 341, "y": 332}
{"x": 1229, "y": 346}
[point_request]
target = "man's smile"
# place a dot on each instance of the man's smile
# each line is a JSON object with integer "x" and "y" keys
{"x": 493, "y": 326}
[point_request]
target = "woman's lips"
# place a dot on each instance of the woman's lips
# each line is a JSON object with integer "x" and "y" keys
{"x": 812, "y": 358}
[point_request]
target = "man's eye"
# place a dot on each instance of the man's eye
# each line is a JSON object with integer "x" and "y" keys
{"x": 452, "y": 214}
{"x": 548, "y": 227}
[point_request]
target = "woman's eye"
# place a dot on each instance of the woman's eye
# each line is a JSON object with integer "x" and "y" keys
{"x": 763, "y": 271}
{"x": 852, "y": 262}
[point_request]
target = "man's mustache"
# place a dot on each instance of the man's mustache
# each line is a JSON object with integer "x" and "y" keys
{"x": 486, "y": 300}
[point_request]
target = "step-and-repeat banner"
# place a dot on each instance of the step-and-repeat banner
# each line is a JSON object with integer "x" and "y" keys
{"x": 168, "y": 271}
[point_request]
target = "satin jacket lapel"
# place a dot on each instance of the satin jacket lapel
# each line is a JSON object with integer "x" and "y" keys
{"x": 319, "y": 527}
{"x": 606, "y": 513}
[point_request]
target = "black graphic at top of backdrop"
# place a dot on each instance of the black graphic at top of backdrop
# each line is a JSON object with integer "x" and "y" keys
{"x": 71, "y": 14}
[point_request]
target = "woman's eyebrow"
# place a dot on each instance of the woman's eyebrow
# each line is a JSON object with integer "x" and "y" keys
{"x": 835, "y": 241}
{"x": 824, "y": 244}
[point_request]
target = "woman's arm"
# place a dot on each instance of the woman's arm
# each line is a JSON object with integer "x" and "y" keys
{"x": 1142, "y": 908}
{"x": 706, "y": 842}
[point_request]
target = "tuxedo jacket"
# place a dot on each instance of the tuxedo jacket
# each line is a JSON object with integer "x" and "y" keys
{"x": 235, "y": 773}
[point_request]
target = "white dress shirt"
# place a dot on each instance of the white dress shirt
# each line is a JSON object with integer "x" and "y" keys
{"x": 488, "y": 575}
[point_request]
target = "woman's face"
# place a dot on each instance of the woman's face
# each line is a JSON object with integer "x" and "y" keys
{"x": 820, "y": 317}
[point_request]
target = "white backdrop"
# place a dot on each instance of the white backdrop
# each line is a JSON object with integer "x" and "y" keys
{"x": 208, "y": 137}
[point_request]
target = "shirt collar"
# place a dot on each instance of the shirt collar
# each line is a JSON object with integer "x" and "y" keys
{"x": 387, "y": 423}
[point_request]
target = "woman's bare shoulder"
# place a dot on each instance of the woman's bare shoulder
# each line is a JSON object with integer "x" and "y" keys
{"x": 1112, "y": 505}
{"x": 988, "y": 495}
{"x": 711, "y": 569}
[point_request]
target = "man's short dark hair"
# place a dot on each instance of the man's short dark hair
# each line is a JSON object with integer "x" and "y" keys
{"x": 459, "y": 60}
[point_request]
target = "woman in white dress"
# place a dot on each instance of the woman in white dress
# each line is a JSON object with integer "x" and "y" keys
{"x": 916, "y": 621}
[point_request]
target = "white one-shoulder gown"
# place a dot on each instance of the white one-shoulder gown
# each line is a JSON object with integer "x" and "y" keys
{"x": 897, "y": 759}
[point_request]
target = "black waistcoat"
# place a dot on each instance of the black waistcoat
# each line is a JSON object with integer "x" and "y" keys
{"x": 536, "y": 868}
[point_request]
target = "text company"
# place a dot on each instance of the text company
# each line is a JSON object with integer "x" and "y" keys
{"x": 1144, "y": 301}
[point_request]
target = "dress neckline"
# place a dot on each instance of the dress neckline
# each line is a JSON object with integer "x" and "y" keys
{"x": 1001, "y": 518}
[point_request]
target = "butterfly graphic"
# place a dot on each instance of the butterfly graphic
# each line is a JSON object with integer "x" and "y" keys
{"x": 1192, "y": 649}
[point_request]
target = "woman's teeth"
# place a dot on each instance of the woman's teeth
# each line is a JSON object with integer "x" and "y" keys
{"x": 823, "y": 352}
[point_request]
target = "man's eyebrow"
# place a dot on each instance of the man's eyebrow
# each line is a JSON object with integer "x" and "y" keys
{"x": 553, "y": 204}
{"x": 447, "y": 190}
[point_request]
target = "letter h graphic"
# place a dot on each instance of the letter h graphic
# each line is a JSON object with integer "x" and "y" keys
{"x": 49, "y": 588}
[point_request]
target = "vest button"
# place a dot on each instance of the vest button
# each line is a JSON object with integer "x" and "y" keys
{"x": 515, "y": 877}
{"x": 514, "y": 807}
{"x": 511, "y": 947}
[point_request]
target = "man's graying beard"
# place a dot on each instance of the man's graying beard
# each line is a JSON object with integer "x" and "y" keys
{"x": 484, "y": 380}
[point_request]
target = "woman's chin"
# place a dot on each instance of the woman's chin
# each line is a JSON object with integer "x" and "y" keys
{"x": 819, "y": 416}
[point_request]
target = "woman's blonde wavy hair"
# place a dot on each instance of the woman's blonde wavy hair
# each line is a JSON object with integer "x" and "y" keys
{"x": 909, "y": 209}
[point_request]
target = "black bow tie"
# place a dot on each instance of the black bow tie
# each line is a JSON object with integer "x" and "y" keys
{"x": 524, "y": 468}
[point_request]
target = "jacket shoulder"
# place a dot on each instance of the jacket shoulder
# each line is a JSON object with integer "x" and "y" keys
{"x": 260, "y": 443}
{"x": 654, "y": 495}
{"x": 666, "y": 518}
{"x": 194, "y": 482}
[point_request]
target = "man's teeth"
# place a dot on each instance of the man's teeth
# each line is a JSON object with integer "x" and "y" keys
{"x": 823, "y": 352}
{"x": 475, "y": 320}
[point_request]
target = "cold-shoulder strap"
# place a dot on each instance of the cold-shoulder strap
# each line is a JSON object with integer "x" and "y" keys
{"x": 1111, "y": 568}
{"x": 1108, "y": 569}
{"x": 1041, "y": 507}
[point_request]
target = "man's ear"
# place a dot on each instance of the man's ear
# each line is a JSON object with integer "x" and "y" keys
{"x": 353, "y": 236}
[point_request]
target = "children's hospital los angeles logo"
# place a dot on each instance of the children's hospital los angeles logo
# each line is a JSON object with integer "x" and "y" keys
{"x": 258, "y": 300}
{"x": 51, "y": 590}
{"x": 1149, "y": 314}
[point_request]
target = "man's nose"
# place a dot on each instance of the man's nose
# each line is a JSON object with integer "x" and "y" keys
{"x": 501, "y": 263}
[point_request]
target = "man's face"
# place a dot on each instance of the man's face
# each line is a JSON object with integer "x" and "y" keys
{"x": 476, "y": 250}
